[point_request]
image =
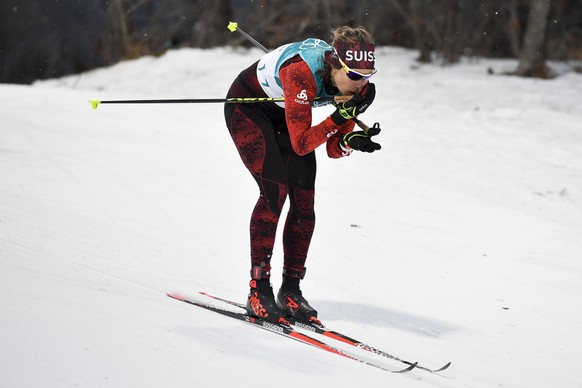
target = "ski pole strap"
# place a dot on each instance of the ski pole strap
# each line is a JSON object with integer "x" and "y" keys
{"x": 294, "y": 272}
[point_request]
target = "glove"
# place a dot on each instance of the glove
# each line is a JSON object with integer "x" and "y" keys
{"x": 361, "y": 141}
{"x": 357, "y": 105}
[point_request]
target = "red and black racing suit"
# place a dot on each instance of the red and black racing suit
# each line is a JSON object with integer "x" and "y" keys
{"x": 277, "y": 147}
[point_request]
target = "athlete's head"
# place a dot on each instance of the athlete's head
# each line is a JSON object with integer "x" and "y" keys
{"x": 353, "y": 46}
{"x": 352, "y": 59}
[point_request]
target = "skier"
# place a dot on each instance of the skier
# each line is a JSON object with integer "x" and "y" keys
{"x": 276, "y": 142}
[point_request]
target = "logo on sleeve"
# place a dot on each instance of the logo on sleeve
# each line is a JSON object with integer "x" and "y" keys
{"x": 302, "y": 98}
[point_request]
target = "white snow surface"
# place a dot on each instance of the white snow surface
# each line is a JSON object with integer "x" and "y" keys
{"x": 459, "y": 241}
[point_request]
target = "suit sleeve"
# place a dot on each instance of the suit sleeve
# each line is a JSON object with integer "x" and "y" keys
{"x": 299, "y": 91}
{"x": 333, "y": 148}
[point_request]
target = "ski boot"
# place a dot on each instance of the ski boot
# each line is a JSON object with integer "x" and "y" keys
{"x": 261, "y": 302}
{"x": 291, "y": 300}
{"x": 296, "y": 306}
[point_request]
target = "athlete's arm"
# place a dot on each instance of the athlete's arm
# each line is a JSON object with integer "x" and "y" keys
{"x": 300, "y": 90}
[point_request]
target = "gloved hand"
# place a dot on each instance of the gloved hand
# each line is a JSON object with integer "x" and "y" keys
{"x": 361, "y": 141}
{"x": 357, "y": 105}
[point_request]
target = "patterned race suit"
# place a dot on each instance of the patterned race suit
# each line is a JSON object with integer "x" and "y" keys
{"x": 276, "y": 143}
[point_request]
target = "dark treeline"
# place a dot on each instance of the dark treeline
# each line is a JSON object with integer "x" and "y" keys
{"x": 50, "y": 38}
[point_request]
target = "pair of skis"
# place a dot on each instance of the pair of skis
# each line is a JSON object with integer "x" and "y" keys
{"x": 290, "y": 331}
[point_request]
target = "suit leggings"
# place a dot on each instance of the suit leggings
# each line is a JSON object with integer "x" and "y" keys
{"x": 261, "y": 137}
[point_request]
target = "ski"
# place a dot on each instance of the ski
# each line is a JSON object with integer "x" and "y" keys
{"x": 321, "y": 329}
{"x": 285, "y": 331}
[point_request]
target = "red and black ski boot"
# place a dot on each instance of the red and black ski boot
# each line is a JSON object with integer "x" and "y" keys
{"x": 261, "y": 302}
{"x": 296, "y": 306}
{"x": 291, "y": 300}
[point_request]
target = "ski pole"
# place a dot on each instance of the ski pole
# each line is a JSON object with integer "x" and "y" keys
{"x": 95, "y": 103}
{"x": 235, "y": 100}
{"x": 233, "y": 26}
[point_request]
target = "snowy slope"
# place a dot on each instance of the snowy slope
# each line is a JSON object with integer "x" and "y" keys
{"x": 459, "y": 241}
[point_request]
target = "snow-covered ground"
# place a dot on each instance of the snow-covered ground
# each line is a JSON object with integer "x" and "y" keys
{"x": 459, "y": 241}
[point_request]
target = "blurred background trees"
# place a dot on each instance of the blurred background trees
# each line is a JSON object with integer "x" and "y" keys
{"x": 50, "y": 38}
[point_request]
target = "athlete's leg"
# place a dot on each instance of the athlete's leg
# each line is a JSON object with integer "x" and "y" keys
{"x": 255, "y": 139}
{"x": 300, "y": 221}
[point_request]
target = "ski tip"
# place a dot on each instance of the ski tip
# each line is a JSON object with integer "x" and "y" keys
{"x": 232, "y": 26}
{"x": 442, "y": 368}
{"x": 409, "y": 368}
{"x": 175, "y": 296}
{"x": 94, "y": 103}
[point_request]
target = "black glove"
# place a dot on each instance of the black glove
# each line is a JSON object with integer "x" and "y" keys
{"x": 361, "y": 141}
{"x": 357, "y": 105}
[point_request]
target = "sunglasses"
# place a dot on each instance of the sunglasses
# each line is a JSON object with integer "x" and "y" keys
{"x": 352, "y": 74}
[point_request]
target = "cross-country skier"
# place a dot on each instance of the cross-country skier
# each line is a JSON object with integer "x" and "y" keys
{"x": 276, "y": 142}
